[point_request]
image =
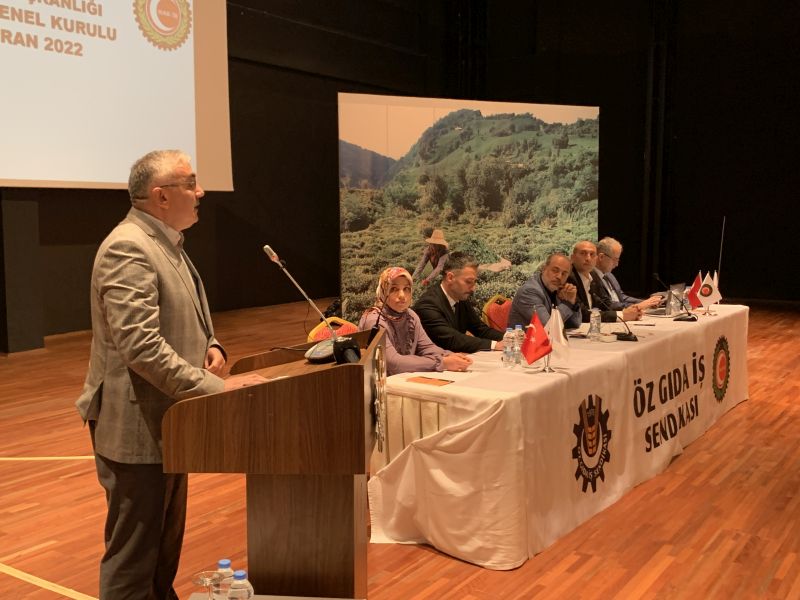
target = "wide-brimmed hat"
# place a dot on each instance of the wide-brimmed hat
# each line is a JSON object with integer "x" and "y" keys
{"x": 437, "y": 237}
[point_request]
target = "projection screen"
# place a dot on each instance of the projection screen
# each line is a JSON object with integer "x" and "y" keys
{"x": 89, "y": 86}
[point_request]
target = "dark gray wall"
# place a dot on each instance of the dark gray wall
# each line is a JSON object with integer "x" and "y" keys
{"x": 731, "y": 136}
{"x": 592, "y": 54}
{"x": 698, "y": 117}
{"x": 286, "y": 65}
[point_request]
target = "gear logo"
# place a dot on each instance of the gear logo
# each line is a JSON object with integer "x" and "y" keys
{"x": 164, "y": 23}
{"x": 592, "y": 436}
{"x": 721, "y": 373}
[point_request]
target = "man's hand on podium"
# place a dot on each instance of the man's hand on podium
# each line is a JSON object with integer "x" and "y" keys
{"x": 235, "y": 382}
{"x": 215, "y": 361}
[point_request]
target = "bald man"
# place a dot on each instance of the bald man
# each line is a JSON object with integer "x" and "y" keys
{"x": 546, "y": 291}
{"x": 591, "y": 292}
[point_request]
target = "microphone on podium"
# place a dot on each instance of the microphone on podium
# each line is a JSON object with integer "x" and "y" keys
{"x": 341, "y": 349}
{"x": 597, "y": 294}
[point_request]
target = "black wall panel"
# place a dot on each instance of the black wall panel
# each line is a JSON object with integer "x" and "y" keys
{"x": 732, "y": 127}
{"x": 698, "y": 118}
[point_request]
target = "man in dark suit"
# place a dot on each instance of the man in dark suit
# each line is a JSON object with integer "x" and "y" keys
{"x": 609, "y": 252}
{"x": 447, "y": 315}
{"x": 591, "y": 291}
{"x": 152, "y": 344}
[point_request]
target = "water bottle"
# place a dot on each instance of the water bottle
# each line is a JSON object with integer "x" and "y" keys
{"x": 240, "y": 587}
{"x": 220, "y": 590}
{"x": 519, "y": 337}
{"x": 508, "y": 348}
{"x": 594, "y": 324}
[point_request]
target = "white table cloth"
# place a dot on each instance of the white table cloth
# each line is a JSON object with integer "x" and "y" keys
{"x": 506, "y": 462}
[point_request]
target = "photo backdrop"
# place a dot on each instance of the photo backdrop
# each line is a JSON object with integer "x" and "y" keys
{"x": 508, "y": 183}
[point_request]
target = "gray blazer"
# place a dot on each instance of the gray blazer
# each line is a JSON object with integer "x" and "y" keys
{"x": 151, "y": 330}
{"x": 534, "y": 296}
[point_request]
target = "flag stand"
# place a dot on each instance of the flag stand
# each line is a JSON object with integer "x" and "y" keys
{"x": 547, "y": 368}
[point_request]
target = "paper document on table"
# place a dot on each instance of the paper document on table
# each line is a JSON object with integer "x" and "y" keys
{"x": 429, "y": 380}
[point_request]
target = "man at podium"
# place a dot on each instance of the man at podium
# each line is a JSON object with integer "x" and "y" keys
{"x": 152, "y": 344}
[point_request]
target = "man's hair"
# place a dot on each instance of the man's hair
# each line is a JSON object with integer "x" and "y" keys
{"x": 457, "y": 261}
{"x": 550, "y": 258}
{"x": 152, "y": 165}
{"x": 575, "y": 247}
{"x": 607, "y": 245}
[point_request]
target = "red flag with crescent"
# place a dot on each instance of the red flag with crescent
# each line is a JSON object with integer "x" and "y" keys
{"x": 536, "y": 343}
{"x": 694, "y": 301}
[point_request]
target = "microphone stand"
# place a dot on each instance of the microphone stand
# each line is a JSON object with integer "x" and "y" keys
{"x": 622, "y": 336}
{"x": 689, "y": 316}
{"x": 625, "y": 336}
{"x": 374, "y": 331}
{"x": 342, "y": 350}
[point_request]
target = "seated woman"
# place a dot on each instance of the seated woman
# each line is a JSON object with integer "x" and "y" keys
{"x": 408, "y": 347}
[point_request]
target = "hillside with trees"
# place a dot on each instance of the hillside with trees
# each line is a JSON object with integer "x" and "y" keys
{"x": 506, "y": 186}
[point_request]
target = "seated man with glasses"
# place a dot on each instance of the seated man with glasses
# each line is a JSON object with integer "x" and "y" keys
{"x": 609, "y": 251}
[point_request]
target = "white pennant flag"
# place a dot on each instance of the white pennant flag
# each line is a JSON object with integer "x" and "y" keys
{"x": 708, "y": 293}
{"x": 555, "y": 331}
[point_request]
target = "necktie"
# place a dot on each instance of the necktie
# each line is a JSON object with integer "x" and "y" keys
{"x": 610, "y": 288}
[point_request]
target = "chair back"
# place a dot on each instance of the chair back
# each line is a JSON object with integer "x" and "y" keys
{"x": 340, "y": 326}
{"x": 495, "y": 312}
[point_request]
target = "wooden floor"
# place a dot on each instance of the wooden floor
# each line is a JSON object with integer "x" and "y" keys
{"x": 722, "y": 522}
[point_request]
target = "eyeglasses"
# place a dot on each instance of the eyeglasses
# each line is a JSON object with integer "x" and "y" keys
{"x": 189, "y": 184}
{"x": 613, "y": 258}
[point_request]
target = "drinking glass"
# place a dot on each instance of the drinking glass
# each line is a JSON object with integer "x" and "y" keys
{"x": 207, "y": 579}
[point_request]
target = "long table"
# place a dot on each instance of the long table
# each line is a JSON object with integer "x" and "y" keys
{"x": 498, "y": 464}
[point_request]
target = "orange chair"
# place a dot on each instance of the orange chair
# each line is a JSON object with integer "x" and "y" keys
{"x": 340, "y": 326}
{"x": 495, "y": 312}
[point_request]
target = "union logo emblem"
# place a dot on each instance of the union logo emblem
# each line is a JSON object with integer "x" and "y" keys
{"x": 164, "y": 23}
{"x": 721, "y": 372}
{"x": 592, "y": 436}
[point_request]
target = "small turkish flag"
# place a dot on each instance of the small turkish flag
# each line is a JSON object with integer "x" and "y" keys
{"x": 694, "y": 301}
{"x": 536, "y": 343}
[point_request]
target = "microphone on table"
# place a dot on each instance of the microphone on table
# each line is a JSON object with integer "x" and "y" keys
{"x": 342, "y": 350}
{"x": 688, "y": 316}
{"x": 622, "y": 336}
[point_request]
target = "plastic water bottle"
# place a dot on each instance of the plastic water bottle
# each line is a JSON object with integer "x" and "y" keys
{"x": 508, "y": 348}
{"x": 220, "y": 590}
{"x": 594, "y": 324}
{"x": 240, "y": 587}
{"x": 519, "y": 337}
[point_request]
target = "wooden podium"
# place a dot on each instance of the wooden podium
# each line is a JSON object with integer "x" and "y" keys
{"x": 304, "y": 441}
